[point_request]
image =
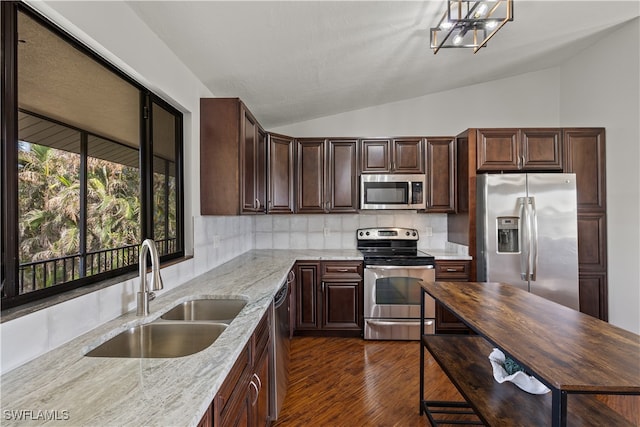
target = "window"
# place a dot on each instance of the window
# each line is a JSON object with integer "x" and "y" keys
{"x": 92, "y": 164}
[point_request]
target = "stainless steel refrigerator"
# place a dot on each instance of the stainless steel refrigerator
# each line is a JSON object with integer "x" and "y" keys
{"x": 527, "y": 233}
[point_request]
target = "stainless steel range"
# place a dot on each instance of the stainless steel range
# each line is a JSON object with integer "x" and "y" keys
{"x": 393, "y": 268}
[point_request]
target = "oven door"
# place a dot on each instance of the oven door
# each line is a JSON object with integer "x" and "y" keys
{"x": 392, "y": 302}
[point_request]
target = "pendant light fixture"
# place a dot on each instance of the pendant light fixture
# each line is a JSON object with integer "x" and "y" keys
{"x": 470, "y": 24}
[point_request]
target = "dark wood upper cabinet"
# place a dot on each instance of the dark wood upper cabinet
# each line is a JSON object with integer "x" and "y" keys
{"x": 326, "y": 171}
{"x": 392, "y": 155}
{"x": 585, "y": 156}
{"x": 281, "y": 167}
{"x": 232, "y": 159}
{"x": 342, "y": 175}
{"x": 441, "y": 174}
{"x": 541, "y": 149}
{"x": 310, "y": 167}
{"x": 408, "y": 155}
{"x": 523, "y": 150}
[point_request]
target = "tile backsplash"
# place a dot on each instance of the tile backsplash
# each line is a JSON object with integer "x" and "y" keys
{"x": 339, "y": 231}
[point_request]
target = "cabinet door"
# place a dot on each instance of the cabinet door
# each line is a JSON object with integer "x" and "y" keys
{"x": 342, "y": 175}
{"x": 310, "y": 175}
{"x": 441, "y": 175}
{"x": 260, "y": 386}
{"x": 341, "y": 305}
{"x": 307, "y": 292}
{"x": 497, "y": 149}
{"x": 376, "y": 155}
{"x": 541, "y": 149}
{"x": 585, "y": 156}
{"x": 408, "y": 155}
{"x": 593, "y": 288}
{"x": 280, "y": 174}
{"x": 253, "y": 160}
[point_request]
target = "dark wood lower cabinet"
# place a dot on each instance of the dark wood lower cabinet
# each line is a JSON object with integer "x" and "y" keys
{"x": 243, "y": 398}
{"x": 451, "y": 271}
{"x": 329, "y": 298}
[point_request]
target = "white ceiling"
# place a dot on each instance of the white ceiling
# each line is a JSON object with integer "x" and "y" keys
{"x": 292, "y": 61}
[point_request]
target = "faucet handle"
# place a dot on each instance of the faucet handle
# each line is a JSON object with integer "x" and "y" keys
{"x": 151, "y": 296}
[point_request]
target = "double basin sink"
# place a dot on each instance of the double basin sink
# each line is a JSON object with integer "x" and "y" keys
{"x": 185, "y": 329}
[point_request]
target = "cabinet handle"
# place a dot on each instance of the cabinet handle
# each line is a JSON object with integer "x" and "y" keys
{"x": 326, "y": 206}
{"x": 257, "y": 204}
{"x": 255, "y": 399}
{"x": 292, "y": 277}
{"x": 259, "y": 381}
{"x": 322, "y": 287}
{"x": 343, "y": 270}
{"x": 452, "y": 270}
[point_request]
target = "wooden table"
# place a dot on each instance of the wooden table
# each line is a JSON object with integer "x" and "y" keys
{"x": 570, "y": 352}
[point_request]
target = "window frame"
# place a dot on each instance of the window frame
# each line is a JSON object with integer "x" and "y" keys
{"x": 9, "y": 179}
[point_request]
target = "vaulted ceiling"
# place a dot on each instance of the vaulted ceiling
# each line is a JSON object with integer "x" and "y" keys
{"x": 292, "y": 61}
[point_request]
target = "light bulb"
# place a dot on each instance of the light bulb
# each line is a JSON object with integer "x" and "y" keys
{"x": 446, "y": 25}
{"x": 457, "y": 39}
{"x": 490, "y": 25}
{"x": 480, "y": 11}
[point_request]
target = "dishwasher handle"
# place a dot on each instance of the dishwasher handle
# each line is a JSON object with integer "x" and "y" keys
{"x": 281, "y": 295}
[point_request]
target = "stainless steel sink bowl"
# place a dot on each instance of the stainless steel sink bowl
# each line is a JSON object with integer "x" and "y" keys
{"x": 218, "y": 310}
{"x": 156, "y": 340}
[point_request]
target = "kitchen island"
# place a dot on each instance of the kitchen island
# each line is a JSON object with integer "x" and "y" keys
{"x": 63, "y": 387}
{"x": 573, "y": 354}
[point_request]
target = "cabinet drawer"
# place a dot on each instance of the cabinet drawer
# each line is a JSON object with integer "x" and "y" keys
{"x": 454, "y": 270}
{"x": 341, "y": 270}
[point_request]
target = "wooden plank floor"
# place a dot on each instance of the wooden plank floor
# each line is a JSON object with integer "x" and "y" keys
{"x": 338, "y": 382}
{"x": 353, "y": 382}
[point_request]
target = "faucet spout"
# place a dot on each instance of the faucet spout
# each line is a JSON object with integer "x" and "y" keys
{"x": 146, "y": 292}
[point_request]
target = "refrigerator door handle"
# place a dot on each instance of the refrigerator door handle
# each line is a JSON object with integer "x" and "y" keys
{"x": 533, "y": 220}
{"x": 525, "y": 238}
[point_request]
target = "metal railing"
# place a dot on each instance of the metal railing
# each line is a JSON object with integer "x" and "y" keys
{"x": 55, "y": 271}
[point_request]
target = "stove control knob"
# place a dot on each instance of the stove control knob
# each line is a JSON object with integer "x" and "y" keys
{"x": 407, "y": 233}
{"x": 414, "y": 234}
{"x": 360, "y": 233}
{"x": 367, "y": 233}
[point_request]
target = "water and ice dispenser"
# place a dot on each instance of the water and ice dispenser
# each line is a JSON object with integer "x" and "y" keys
{"x": 508, "y": 232}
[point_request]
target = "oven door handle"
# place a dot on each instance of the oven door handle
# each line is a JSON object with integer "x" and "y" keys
{"x": 401, "y": 267}
{"x": 399, "y": 323}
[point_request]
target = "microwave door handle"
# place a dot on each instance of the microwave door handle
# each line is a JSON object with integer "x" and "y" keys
{"x": 410, "y": 193}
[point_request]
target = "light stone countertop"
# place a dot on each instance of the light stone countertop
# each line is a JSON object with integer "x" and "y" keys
{"x": 97, "y": 391}
{"x": 76, "y": 390}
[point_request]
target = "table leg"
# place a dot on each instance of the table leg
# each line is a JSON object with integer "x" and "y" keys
{"x": 558, "y": 408}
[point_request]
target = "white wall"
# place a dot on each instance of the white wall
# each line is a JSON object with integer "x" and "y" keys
{"x": 530, "y": 99}
{"x": 601, "y": 87}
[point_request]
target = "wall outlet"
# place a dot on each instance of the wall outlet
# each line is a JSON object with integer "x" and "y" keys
{"x": 216, "y": 241}
{"x": 428, "y": 231}
{"x": 326, "y": 231}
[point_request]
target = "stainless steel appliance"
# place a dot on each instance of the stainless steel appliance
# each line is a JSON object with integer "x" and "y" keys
{"x": 279, "y": 363}
{"x": 528, "y": 234}
{"x": 392, "y": 191}
{"x": 393, "y": 269}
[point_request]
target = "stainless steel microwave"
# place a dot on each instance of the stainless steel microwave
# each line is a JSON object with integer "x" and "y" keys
{"x": 392, "y": 191}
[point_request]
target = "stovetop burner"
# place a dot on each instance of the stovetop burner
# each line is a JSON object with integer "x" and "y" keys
{"x": 391, "y": 246}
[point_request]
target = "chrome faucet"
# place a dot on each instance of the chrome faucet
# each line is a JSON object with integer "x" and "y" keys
{"x": 145, "y": 295}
